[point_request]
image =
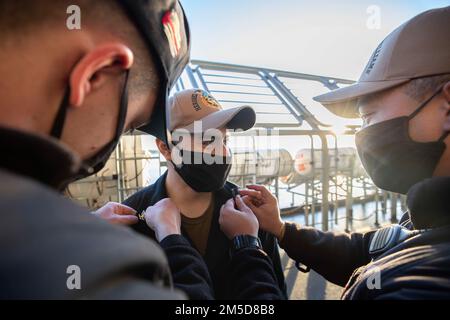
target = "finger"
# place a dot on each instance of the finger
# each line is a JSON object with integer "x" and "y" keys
{"x": 122, "y": 209}
{"x": 148, "y": 209}
{"x": 264, "y": 191}
{"x": 241, "y": 205}
{"x": 256, "y": 201}
{"x": 248, "y": 201}
{"x": 127, "y": 220}
{"x": 229, "y": 207}
{"x": 164, "y": 201}
{"x": 229, "y": 204}
{"x": 223, "y": 214}
{"x": 252, "y": 193}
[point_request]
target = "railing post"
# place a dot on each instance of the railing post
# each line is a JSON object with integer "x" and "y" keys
{"x": 394, "y": 198}
{"x": 377, "y": 200}
{"x": 325, "y": 181}
{"x": 191, "y": 76}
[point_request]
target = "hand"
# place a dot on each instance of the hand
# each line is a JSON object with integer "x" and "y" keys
{"x": 235, "y": 222}
{"x": 117, "y": 213}
{"x": 164, "y": 218}
{"x": 265, "y": 207}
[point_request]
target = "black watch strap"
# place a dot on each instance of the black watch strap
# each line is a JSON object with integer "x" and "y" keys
{"x": 245, "y": 241}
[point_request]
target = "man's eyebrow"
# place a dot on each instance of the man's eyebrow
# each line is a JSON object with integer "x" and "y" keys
{"x": 365, "y": 101}
{"x": 360, "y": 104}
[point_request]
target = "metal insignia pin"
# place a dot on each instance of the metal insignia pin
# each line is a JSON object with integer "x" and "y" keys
{"x": 141, "y": 216}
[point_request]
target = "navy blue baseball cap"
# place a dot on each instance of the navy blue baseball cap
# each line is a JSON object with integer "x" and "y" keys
{"x": 164, "y": 27}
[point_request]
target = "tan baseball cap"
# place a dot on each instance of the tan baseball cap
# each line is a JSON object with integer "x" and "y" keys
{"x": 188, "y": 106}
{"x": 418, "y": 48}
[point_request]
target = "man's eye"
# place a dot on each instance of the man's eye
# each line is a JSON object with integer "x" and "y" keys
{"x": 210, "y": 141}
{"x": 366, "y": 117}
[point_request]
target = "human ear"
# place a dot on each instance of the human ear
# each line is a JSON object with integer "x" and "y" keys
{"x": 88, "y": 74}
{"x": 163, "y": 149}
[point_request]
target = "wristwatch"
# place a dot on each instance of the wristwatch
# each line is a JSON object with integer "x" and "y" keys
{"x": 244, "y": 241}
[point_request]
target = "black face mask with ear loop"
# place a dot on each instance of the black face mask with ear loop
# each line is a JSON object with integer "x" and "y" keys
{"x": 203, "y": 177}
{"x": 98, "y": 161}
{"x": 392, "y": 159}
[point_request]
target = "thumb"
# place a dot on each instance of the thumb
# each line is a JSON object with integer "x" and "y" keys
{"x": 229, "y": 204}
{"x": 122, "y": 209}
{"x": 241, "y": 205}
{"x": 248, "y": 202}
{"x": 127, "y": 220}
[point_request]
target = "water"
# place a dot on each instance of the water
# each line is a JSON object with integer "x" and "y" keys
{"x": 364, "y": 217}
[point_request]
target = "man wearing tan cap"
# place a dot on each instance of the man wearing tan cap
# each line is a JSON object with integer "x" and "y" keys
{"x": 403, "y": 97}
{"x": 193, "y": 191}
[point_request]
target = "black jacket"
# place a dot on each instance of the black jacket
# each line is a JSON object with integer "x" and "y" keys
{"x": 418, "y": 268}
{"x": 217, "y": 257}
{"x": 42, "y": 234}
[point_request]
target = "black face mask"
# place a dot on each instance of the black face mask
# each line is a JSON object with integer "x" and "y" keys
{"x": 394, "y": 161}
{"x": 98, "y": 161}
{"x": 203, "y": 177}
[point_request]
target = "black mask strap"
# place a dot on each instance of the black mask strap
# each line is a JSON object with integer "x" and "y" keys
{"x": 412, "y": 115}
{"x": 60, "y": 119}
{"x": 444, "y": 135}
{"x": 98, "y": 161}
{"x": 423, "y": 104}
{"x": 123, "y": 108}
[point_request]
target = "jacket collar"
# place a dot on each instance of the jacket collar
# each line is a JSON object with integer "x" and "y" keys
{"x": 37, "y": 157}
{"x": 217, "y": 241}
{"x": 429, "y": 203}
{"x": 160, "y": 189}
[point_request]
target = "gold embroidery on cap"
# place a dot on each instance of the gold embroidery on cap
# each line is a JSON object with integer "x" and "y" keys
{"x": 209, "y": 100}
{"x": 172, "y": 29}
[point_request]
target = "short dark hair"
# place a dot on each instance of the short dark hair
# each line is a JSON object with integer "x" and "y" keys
{"x": 420, "y": 88}
{"x": 21, "y": 18}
